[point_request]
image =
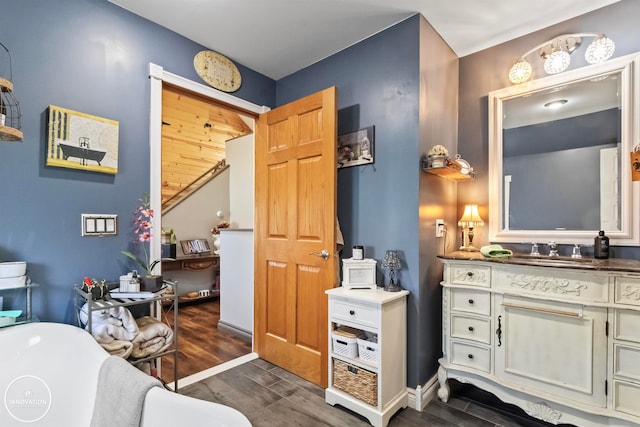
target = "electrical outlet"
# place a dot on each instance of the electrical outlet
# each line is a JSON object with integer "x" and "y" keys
{"x": 439, "y": 227}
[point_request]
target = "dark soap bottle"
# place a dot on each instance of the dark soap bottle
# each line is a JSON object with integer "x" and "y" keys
{"x": 601, "y": 246}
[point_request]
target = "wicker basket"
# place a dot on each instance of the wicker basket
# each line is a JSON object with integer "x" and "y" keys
{"x": 356, "y": 381}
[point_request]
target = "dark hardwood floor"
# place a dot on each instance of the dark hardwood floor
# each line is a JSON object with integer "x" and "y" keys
{"x": 270, "y": 396}
{"x": 201, "y": 345}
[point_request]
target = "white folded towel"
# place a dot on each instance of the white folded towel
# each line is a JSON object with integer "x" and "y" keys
{"x": 118, "y": 348}
{"x": 114, "y": 323}
{"x": 153, "y": 337}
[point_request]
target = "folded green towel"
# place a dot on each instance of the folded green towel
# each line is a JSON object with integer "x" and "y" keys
{"x": 495, "y": 251}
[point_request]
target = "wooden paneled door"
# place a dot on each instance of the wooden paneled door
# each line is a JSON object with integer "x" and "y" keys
{"x": 295, "y": 219}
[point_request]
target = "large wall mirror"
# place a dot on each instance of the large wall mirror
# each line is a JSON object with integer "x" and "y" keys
{"x": 559, "y": 157}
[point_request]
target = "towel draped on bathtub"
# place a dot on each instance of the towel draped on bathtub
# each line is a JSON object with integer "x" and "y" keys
{"x": 120, "y": 396}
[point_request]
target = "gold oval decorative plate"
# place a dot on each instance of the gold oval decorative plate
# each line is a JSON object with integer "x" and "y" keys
{"x": 217, "y": 70}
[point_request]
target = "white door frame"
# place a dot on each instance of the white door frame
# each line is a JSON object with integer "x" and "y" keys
{"x": 158, "y": 76}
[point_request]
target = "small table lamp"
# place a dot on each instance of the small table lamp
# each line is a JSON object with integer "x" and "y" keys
{"x": 391, "y": 262}
{"x": 470, "y": 219}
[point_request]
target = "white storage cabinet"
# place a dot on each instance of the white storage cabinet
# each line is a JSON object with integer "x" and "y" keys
{"x": 373, "y": 383}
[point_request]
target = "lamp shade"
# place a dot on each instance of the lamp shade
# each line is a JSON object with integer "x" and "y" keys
{"x": 470, "y": 217}
{"x": 391, "y": 260}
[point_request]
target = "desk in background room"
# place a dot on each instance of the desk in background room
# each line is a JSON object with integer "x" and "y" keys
{"x": 194, "y": 263}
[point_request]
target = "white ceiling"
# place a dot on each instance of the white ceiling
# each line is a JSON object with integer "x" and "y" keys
{"x": 280, "y": 37}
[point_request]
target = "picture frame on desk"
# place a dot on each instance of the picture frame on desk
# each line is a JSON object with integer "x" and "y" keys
{"x": 195, "y": 246}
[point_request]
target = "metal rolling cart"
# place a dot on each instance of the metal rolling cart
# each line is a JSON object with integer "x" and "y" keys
{"x": 156, "y": 307}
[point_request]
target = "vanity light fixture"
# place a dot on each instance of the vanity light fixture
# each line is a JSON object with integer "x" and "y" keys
{"x": 469, "y": 220}
{"x": 556, "y": 54}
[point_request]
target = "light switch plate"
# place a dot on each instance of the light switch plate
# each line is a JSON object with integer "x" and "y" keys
{"x": 99, "y": 225}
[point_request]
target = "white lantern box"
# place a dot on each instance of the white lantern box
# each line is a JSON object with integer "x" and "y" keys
{"x": 359, "y": 274}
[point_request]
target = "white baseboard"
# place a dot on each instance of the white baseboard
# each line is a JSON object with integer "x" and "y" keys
{"x": 183, "y": 382}
{"x": 420, "y": 397}
{"x": 235, "y": 330}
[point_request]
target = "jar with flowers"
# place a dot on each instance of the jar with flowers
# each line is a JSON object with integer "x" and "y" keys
{"x": 438, "y": 156}
{"x": 143, "y": 224}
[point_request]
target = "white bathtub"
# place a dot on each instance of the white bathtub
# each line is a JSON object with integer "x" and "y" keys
{"x": 48, "y": 377}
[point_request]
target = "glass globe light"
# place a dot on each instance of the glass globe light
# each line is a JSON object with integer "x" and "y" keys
{"x": 557, "y": 62}
{"x": 599, "y": 50}
{"x": 520, "y": 71}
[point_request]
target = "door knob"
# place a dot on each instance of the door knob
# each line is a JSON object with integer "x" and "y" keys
{"x": 324, "y": 254}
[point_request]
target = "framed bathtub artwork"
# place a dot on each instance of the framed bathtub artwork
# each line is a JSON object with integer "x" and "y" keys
{"x": 81, "y": 141}
{"x": 356, "y": 148}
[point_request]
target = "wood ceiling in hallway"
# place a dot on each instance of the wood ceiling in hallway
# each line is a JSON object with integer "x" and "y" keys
{"x": 194, "y": 132}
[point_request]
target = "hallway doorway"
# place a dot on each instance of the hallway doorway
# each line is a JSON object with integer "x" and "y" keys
{"x": 159, "y": 79}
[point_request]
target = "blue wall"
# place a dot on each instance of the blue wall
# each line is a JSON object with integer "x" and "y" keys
{"x": 89, "y": 56}
{"x": 379, "y": 84}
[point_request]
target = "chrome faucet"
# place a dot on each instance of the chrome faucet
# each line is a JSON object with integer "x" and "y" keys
{"x": 553, "y": 249}
{"x": 534, "y": 249}
{"x": 576, "y": 251}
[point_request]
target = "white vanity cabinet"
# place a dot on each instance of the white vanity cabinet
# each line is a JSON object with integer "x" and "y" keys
{"x": 470, "y": 316}
{"x": 560, "y": 341}
{"x": 552, "y": 348}
{"x": 626, "y": 347}
{"x": 381, "y": 315}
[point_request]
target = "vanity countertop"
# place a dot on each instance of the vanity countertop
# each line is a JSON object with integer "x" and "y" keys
{"x": 611, "y": 264}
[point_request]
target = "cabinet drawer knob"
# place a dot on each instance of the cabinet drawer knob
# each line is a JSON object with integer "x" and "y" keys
{"x": 470, "y": 273}
{"x": 352, "y": 312}
{"x": 470, "y": 301}
{"x": 470, "y": 356}
{"x": 470, "y": 328}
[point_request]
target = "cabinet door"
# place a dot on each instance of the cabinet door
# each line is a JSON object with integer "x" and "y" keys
{"x": 553, "y": 348}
